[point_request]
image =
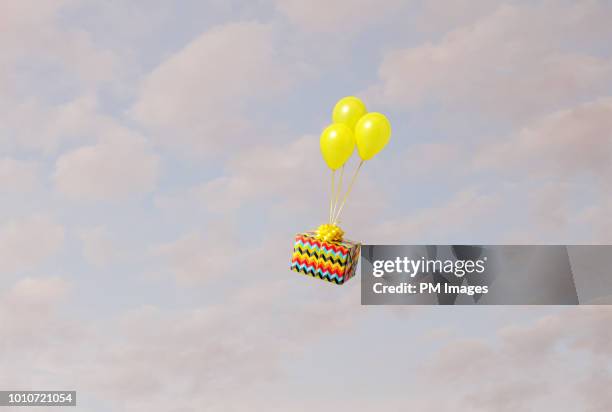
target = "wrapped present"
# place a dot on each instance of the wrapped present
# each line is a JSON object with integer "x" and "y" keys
{"x": 323, "y": 253}
{"x": 324, "y": 257}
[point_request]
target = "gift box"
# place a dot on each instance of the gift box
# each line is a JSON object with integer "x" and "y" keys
{"x": 331, "y": 260}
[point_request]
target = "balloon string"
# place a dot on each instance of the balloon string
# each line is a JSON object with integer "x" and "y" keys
{"x": 348, "y": 192}
{"x": 337, "y": 192}
{"x": 331, "y": 196}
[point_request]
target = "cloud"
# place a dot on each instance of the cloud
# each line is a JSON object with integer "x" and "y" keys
{"x": 598, "y": 400}
{"x": 195, "y": 257}
{"x": 532, "y": 365}
{"x": 118, "y": 167}
{"x": 552, "y": 159}
{"x": 510, "y": 64}
{"x": 442, "y": 16}
{"x": 28, "y": 242}
{"x": 36, "y": 293}
{"x": 429, "y": 159}
{"x": 34, "y": 126}
{"x": 598, "y": 217}
{"x": 28, "y": 302}
{"x": 33, "y": 33}
{"x": 99, "y": 247}
{"x": 49, "y": 77}
{"x": 291, "y": 179}
{"x": 338, "y": 17}
{"x": 565, "y": 143}
{"x": 18, "y": 175}
{"x": 272, "y": 173}
{"x": 39, "y": 341}
{"x": 550, "y": 211}
{"x": 199, "y": 98}
{"x": 201, "y": 354}
{"x": 467, "y": 209}
{"x": 224, "y": 250}
{"x": 267, "y": 171}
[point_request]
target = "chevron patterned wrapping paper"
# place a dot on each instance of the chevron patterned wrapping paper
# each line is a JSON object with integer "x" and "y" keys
{"x": 334, "y": 262}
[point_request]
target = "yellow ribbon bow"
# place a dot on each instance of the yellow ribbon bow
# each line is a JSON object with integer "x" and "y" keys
{"x": 329, "y": 233}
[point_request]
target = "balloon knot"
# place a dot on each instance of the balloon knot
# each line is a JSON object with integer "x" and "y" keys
{"x": 329, "y": 233}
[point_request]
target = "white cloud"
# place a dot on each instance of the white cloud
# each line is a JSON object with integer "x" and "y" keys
{"x": 442, "y": 15}
{"x": 34, "y": 126}
{"x": 39, "y": 341}
{"x": 542, "y": 364}
{"x": 598, "y": 217}
{"x": 340, "y": 17}
{"x": 33, "y": 32}
{"x": 27, "y": 242}
{"x": 49, "y": 77}
{"x": 569, "y": 142}
{"x": 18, "y": 175}
{"x": 267, "y": 171}
{"x": 196, "y": 258}
{"x": 99, "y": 247}
{"x": 466, "y": 211}
{"x": 120, "y": 166}
{"x": 292, "y": 183}
{"x": 271, "y": 174}
{"x": 199, "y": 98}
{"x": 41, "y": 292}
{"x": 429, "y": 158}
{"x": 512, "y": 63}
{"x": 553, "y": 159}
{"x": 201, "y": 354}
{"x": 31, "y": 301}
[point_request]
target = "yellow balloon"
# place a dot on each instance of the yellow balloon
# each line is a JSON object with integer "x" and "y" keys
{"x": 348, "y": 111}
{"x": 337, "y": 145}
{"x": 372, "y": 133}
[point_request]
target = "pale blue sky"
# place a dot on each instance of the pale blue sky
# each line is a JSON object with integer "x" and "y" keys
{"x": 156, "y": 160}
